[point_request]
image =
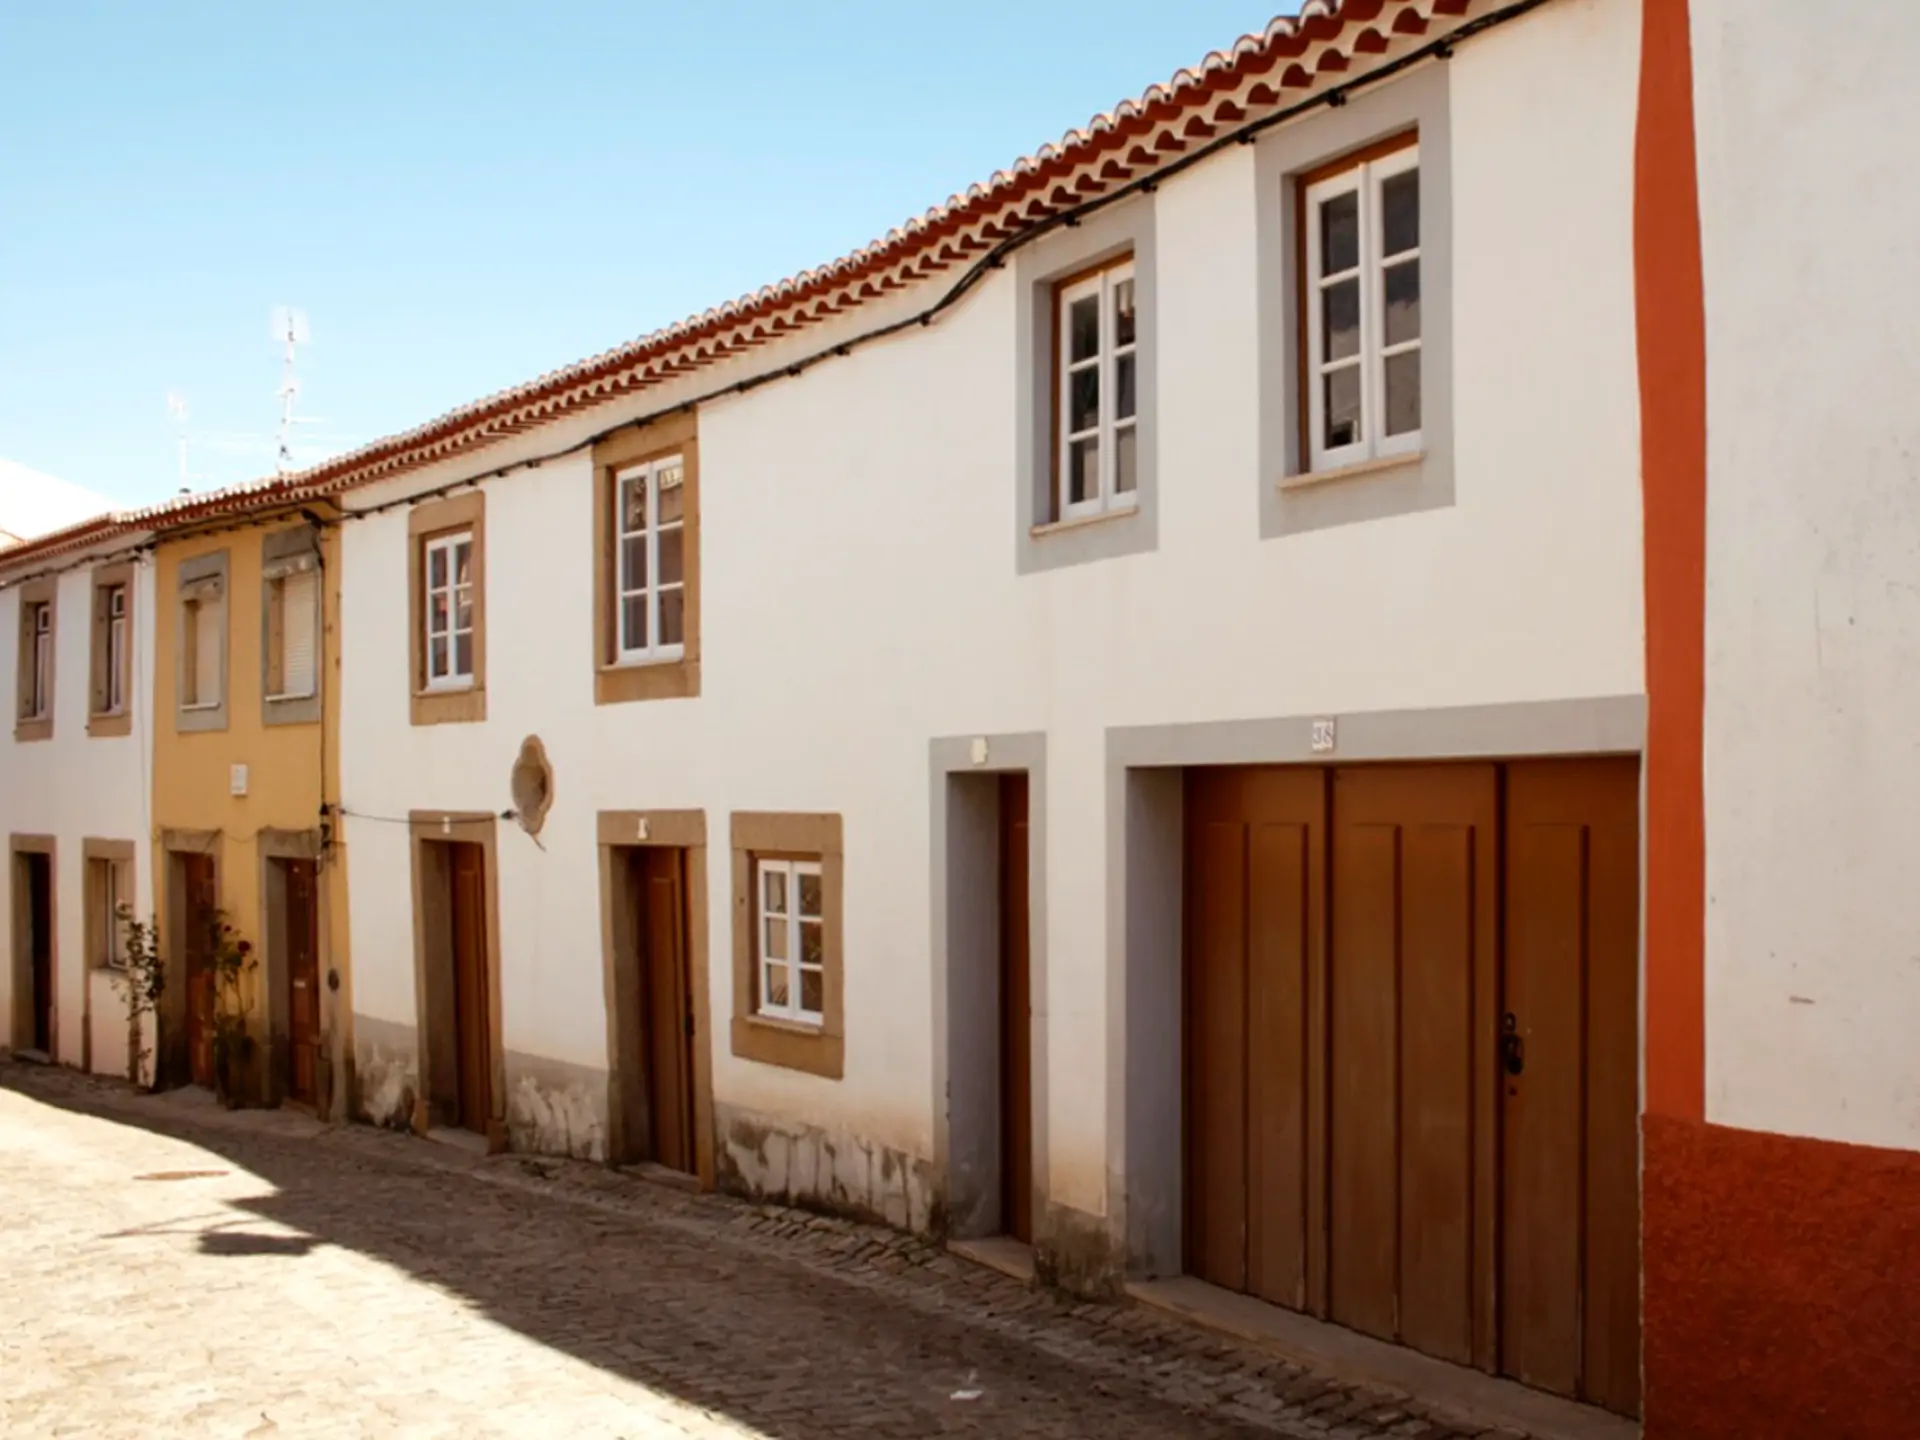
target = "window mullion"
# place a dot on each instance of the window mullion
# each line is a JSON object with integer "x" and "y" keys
{"x": 1107, "y": 371}
{"x": 1372, "y": 381}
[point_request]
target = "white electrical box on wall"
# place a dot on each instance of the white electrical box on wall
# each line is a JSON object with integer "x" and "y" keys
{"x": 237, "y": 781}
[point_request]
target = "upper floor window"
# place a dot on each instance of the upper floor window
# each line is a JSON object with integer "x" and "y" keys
{"x": 200, "y": 667}
{"x": 114, "y": 599}
{"x": 36, "y": 698}
{"x": 650, "y": 535}
{"x": 449, "y": 611}
{"x": 1362, "y": 318}
{"x": 1096, "y": 421}
{"x": 110, "y": 688}
{"x": 293, "y": 613}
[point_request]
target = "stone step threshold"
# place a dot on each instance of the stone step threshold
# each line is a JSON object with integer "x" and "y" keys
{"x": 1347, "y": 1355}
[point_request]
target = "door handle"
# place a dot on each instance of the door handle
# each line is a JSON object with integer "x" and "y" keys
{"x": 1513, "y": 1049}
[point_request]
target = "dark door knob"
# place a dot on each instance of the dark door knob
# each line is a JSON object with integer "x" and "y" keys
{"x": 1513, "y": 1050}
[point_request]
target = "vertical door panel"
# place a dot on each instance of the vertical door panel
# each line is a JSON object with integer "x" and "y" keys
{"x": 1279, "y": 936}
{"x": 197, "y": 889}
{"x": 1436, "y": 1091}
{"x": 1364, "y": 1201}
{"x": 1570, "y": 1314}
{"x": 472, "y": 1003}
{"x": 1216, "y": 1057}
{"x": 1016, "y": 1014}
{"x": 303, "y": 981}
{"x": 40, "y": 944}
{"x": 669, "y": 1015}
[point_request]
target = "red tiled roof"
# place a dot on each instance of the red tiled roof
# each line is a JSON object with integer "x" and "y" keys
{"x": 1260, "y": 73}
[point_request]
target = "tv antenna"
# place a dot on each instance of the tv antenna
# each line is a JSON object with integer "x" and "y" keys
{"x": 290, "y": 328}
{"x": 177, "y": 408}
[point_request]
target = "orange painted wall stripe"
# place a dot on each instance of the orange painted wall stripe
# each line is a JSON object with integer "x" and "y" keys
{"x": 1670, "y": 314}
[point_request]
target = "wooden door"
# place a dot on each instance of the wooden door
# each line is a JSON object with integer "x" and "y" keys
{"x": 1253, "y": 1028}
{"x": 472, "y": 1000}
{"x": 1570, "y": 1060}
{"x": 1016, "y": 1014}
{"x": 302, "y": 922}
{"x": 1414, "y": 965}
{"x": 199, "y": 917}
{"x": 39, "y": 875}
{"x": 667, "y": 1000}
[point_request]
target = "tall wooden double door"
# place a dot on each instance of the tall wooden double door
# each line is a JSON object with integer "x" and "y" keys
{"x": 1412, "y": 1060}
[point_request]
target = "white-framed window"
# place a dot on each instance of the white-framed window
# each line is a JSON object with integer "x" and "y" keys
{"x": 105, "y": 924}
{"x": 791, "y": 942}
{"x": 650, "y": 580}
{"x": 1362, "y": 287}
{"x": 116, "y": 649}
{"x": 448, "y": 612}
{"x": 40, "y": 681}
{"x": 1096, "y": 421}
{"x": 292, "y": 628}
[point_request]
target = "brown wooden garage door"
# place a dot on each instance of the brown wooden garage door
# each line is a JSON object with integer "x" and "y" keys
{"x": 1410, "y": 1100}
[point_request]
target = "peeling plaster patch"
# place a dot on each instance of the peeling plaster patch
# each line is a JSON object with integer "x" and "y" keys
{"x": 803, "y": 1165}
{"x": 386, "y": 1073}
{"x": 554, "y": 1108}
{"x": 1076, "y": 1252}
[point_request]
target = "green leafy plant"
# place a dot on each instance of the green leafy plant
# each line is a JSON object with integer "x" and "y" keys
{"x": 141, "y": 978}
{"x": 231, "y": 963}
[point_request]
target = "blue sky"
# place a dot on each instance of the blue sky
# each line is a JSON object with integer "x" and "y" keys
{"x": 462, "y": 196}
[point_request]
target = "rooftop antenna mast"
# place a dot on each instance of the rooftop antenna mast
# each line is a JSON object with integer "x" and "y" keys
{"x": 177, "y": 408}
{"x": 290, "y": 328}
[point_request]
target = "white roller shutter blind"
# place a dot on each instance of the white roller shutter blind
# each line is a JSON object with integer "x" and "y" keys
{"x": 300, "y": 613}
{"x": 210, "y": 623}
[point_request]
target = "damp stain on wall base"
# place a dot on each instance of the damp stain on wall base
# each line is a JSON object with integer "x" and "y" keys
{"x": 793, "y": 1163}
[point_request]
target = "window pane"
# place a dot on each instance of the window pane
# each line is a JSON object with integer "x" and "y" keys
{"x": 463, "y": 653}
{"x": 670, "y": 543}
{"x": 1340, "y": 316}
{"x": 1400, "y": 212}
{"x": 810, "y": 943}
{"x": 1340, "y": 233}
{"x": 1083, "y": 325}
{"x": 437, "y": 659}
{"x": 1083, "y": 470}
{"x": 1343, "y": 407}
{"x": 776, "y": 938}
{"x": 1123, "y": 316}
{"x": 1403, "y": 302}
{"x": 463, "y": 562}
{"x": 436, "y": 568}
{"x": 1125, "y": 382}
{"x": 1126, "y": 464}
{"x": 633, "y": 623}
{"x": 437, "y": 613}
{"x": 775, "y": 883}
{"x": 1083, "y": 406}
{"x": 809, "y": 894}
{"x": 1403, "y": 393}
{"x": 673, "y": 616}
{"x": 811, "y": 987}
{"x": 633, "y": 563}
{"x": 673, "y": 494}
{"x": 463, "y": 608}
{"x": 775, "y": 977}
{"x": 633, "y": 503}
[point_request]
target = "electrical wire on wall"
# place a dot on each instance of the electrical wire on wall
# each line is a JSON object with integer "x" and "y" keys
{"x": 1333, "y": 97}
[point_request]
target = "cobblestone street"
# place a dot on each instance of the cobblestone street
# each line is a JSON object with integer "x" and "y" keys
{"x": 168, "y": 1268}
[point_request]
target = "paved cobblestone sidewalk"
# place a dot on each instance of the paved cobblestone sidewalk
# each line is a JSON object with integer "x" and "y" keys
{"x": 167, "y": 1268}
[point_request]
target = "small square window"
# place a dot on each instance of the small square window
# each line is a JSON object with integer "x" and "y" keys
{"x": 788, "y": 987}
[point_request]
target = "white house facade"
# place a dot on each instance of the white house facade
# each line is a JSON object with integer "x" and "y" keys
{"x": 868, "y": 769}
{"x": 76, "y": 793}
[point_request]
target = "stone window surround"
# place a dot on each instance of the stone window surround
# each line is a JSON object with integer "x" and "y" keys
{"x": 194, "y": 571}
{"x": 615, "y": 683}
{"x": 1292, "y": 499}
{"x": 817, "y": 1049}
{"x": 464, "y": 511}
{"x": 104, "y": 723}
{"x": 36, "y": 592}
{"x": 119, "y": 854}
{"x": 1041, "y": 543}
{"x": 277, "y": 552}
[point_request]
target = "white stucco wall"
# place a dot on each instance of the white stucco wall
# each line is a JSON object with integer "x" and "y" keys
{"x": 1807, "y": 117}
{"x": 75, "y": 787}
{"x": 860, "y": 597}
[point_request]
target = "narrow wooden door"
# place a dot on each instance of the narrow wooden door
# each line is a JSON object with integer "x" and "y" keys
{"x": 1570, "y": 1081}
{"x": 1414, "y": 966}
{"x": 667, "y": 1001}
{"x": 1016, "y": 1014}
{"x": 472, "y": 1001}
{"x": 40, "y": 947}
{"x": 1253, "y": 1031}
{"x": 302, "y": 922}
{"x": 197, "y": 892}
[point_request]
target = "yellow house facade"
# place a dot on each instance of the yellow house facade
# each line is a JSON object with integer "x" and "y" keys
{"x": 248, "y": 860}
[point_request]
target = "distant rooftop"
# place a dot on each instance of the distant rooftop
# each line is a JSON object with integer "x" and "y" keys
{"x": 33, "y": 504}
